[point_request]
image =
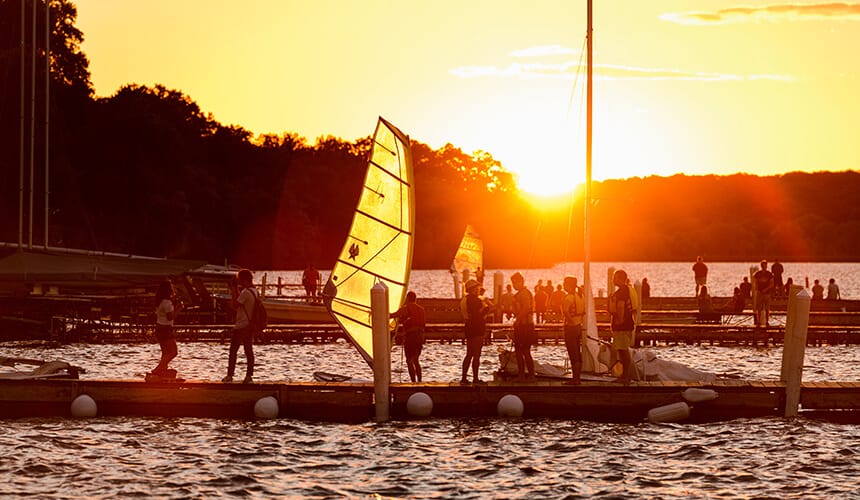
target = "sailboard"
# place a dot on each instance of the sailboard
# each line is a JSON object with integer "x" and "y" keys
{"x": 591, "y": 359}
{"x": 378, "y": 247}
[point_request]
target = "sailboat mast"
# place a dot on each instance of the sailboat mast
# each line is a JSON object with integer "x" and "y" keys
{"x": 588, "y": 109}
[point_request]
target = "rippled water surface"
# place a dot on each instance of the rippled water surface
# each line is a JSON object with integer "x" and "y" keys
{"x": 108, "y": 457}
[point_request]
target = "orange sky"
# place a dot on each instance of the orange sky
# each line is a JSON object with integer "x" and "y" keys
{"x": 705, "y": 87}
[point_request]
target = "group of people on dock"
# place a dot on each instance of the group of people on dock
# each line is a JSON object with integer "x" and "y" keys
{"x": 521, "y": 308}
{"x": 765, "y": 286}
{"x": 244, "y": 300}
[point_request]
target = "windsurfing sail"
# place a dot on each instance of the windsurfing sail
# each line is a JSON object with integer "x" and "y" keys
{"x": 378, "y": 247}
{"x": 470, "y": 254}
{"x": 468, "y": 259}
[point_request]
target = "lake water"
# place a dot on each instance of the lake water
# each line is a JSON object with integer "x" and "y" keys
{"x": 439, "y": 458}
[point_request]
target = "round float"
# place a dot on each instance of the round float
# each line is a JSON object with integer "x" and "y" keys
{"x": 510, "y": 406}
{"x": 697, "y": 395}
{"x": 419, "y": 404}
{"x": 266, "y": 408}
{"x": 674, "y": 412}
{"x": 84, "y": 406}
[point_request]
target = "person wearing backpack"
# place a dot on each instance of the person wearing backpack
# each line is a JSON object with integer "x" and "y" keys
{"x": 245, "y": 299}
{"x": 622, "y": 323}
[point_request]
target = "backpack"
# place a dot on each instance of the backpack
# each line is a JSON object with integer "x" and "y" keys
{"x": 259, "y": 318}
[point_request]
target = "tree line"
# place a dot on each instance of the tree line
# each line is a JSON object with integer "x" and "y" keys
{"x": 146, "y": 171}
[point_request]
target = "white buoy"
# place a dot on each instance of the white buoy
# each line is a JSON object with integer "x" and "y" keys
{"x": 696, "y": 395}
{"x": 84, "y": 406}
{"x": 674, "y": 412}
{"x": 419, "y": 404}
{"x": 266, "y": 408}
{"x": 510, "y": 406}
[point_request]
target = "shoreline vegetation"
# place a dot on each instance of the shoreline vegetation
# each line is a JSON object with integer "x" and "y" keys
{"x": 147, "y": 172}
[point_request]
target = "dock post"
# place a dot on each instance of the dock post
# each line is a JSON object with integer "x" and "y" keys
{"x": 794, "y": 346}
{"x": 379, "y": 318}
{"x": 498, "y": 287}
{"x": 610, "y": 283}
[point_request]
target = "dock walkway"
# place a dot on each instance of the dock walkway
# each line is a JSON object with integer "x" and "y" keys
{"x": 353, "y": 402}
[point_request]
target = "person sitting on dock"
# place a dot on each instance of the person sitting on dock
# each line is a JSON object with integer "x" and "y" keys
{"x": 746, "y": 288}
{"x": 244, "y": 300}
{"x": 524, "y": 327}
{"x": 738, "y": 302}
{"x": 817, "y": 291}
{"x": 165, "y": 311}
{"x": 413, "y": 320}
{"x": 574, "y": 312}
{"x": 706, "y": 307}
{"x": 476, "y": 311}
{"x": 763, "y": 280}
{"x": 621, "y": 323}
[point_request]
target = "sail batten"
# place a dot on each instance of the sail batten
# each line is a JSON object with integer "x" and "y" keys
{"x": 378, "y": 248}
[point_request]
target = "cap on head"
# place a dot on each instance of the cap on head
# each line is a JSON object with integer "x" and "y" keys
{"x": 471, "y": 284}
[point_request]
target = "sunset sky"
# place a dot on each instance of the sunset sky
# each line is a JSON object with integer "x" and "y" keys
{"x": 704, "y": 87}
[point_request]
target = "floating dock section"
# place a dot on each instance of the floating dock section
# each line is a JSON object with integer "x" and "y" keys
{"x": 354, "y": 402}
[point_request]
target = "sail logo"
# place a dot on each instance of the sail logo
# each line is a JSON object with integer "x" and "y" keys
{"x": 353, "y": 251}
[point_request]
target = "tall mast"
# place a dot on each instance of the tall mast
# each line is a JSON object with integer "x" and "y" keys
{"x": 587, "y": 259}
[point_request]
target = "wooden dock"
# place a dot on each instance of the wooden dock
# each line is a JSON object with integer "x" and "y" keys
{"x": 648, "y": 334}
{"x": 350, "y": 402}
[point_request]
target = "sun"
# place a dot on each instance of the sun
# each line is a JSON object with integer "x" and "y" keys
{"x": 550, "y": 173}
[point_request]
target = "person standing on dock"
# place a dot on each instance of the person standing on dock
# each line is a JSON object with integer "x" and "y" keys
{"x": 413, "y": 320}
{"x": 166, "y": 309}
{"x": 778, "y": 287}
{"x": 476, "y": 311}
{"x": 763, "y": 281}
{"x": 833, "y": 290}
{"x": 310, "y": 280}
{"x": 700, "y": 274}
{"x": 524, "y": 327}
{"x": 244, "y": 300}
{"x": 621, "y": 323}
{"x": 574, "y": 312}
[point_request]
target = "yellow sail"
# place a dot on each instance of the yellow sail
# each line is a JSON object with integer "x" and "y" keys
{"x": 378, "y": 247}
{"x": 470, "y": 254}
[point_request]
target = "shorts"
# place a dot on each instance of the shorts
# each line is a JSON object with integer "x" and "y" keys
{"x": 164, "y": 333}
{"x": 762, "y": 302}
{"x": 413, "y": 343}
{"x": 525, "y": 335}
{"x": 622, "y": 340}
{"x": 573, "y": 342}
{"x": 701, "y": 280}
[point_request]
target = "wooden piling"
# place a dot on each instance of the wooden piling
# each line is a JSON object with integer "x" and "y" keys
{"x": 794, "y": 347}
{"x": 379, "y": 316}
